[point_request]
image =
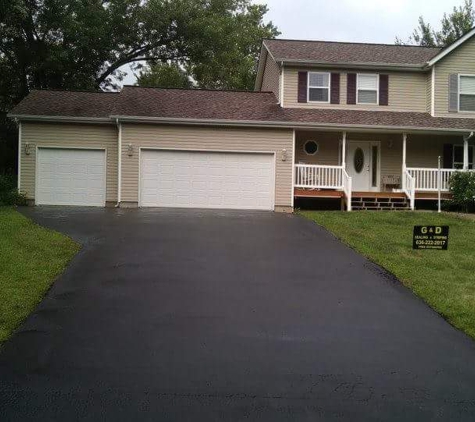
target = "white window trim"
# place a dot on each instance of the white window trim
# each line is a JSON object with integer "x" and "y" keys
{"x": 470, "y": 159}
{"x": 305, "y": 144}
{"x": 377, "y": 88}
{"x": 460, "y": 93}
{"x": 321, "y": 87}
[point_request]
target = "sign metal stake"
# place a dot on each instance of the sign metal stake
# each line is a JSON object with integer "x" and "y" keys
{"x": 439, "y": 199}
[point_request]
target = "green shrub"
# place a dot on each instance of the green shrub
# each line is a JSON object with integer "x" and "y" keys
{"x": 462, "y": 187}
{"x": 9, "y": 194}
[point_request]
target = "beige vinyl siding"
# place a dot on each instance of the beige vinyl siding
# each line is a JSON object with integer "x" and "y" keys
{"x": 407, "y": 91}
{"x": 206, "y": 139}
{"x": 328, "y": 148}
{"x": 68, "y": 135}
{"x": 271, "y": 77}
{"x": 460, "y": 60}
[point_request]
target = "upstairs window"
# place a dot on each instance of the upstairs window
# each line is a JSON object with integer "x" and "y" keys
{"x": 467, "y": 93}
{"x": 318, "y": 87}
{"x": 367, "y": 89}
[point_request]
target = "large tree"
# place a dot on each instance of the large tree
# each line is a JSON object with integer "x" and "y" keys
{"x": 453, "y": 26}
{"x": 221, "y": 53}
{"x": 85, "y": 44}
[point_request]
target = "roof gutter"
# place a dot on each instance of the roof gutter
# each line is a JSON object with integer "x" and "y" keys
{"x": 65, "y": 119}
{"x": 355, "y": 65}
{"x": 286, "y": 125}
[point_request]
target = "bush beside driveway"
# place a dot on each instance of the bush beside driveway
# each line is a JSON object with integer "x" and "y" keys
{"x": 31, "y": 257}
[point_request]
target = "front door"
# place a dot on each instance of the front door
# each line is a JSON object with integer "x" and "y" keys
{"x": 359, "y": 165}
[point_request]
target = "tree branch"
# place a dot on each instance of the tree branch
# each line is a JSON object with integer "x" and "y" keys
{"x": 126, "y": 60}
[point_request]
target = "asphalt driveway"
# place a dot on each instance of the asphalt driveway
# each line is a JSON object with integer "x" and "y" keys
{"x": 174, "y": 315}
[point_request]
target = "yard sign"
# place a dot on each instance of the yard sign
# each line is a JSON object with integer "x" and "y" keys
{"x": 430, "y": 237}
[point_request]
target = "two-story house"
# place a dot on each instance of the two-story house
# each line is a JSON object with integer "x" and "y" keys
{"x": 367, "y": 123}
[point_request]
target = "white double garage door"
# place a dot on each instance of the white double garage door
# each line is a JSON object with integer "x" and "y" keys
{"x": 191, "y": 179}
{"x": 201, "y": 179}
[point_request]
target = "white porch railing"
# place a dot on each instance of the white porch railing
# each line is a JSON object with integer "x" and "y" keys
{"x": 409, "y": 183}
{"x": 426, "y": 179}
{"x": 312, "y": 176}
{"x": 318, "y": 177}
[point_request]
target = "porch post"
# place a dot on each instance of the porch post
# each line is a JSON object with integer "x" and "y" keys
{"x": 343, "y": 150}
{"x": 403, "y": 179}
{"x": 465, "y": 153}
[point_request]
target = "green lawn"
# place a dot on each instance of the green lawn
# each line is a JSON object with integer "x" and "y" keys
{"x": 31, "y": 257}
{"x": 444, "y": 279}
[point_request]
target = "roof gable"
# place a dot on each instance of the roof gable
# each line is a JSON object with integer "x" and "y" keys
{"x": 447, "y": 50}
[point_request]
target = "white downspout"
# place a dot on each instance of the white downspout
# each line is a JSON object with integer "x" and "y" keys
{"x": 404, "y": 142}
{"x": 281, "y": 85}
{"x": 119, "y": 163}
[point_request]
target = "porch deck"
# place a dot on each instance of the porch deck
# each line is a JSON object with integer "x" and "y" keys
{"x": 330, "y": 193}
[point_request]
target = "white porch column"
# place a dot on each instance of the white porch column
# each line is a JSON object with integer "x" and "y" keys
{"x": 465, "y": 153}
{"x": 343, "y": 150}
{"x": 404, "y": 142}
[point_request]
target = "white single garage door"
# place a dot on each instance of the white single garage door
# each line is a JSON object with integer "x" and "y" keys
{"x": 71, "y": 177}
{"x": 192, "y": 179}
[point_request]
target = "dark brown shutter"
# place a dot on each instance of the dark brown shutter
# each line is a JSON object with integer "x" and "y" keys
{"x": 448, "y": 157}
{"x": 335, "y": 88}
{"x": 383, "y": 90}
{"x": 351, "y": 89}
{"x": 302, "y": 89}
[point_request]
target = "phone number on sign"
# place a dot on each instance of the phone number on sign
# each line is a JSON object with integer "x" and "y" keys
{"x": 430, "y": 242}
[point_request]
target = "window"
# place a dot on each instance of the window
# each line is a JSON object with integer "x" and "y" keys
{"x": 367, "y": 89}
{"x": 467, "y": 93}
{"x": 319, "y": 87}
{"x": 358, "y": 160}
{"x": 374, "y": 166}
{"x": 458, "y": 157}
{"x": 310, "y": 147}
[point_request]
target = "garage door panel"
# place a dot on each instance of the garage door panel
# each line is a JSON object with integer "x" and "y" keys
{"x": 70, "y": 177}
{"x": 206, "y": 179}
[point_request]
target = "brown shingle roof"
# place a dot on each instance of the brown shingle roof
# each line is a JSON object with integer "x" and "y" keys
{"x": 67, "y": 104}
{"x": 202, "y": 105}
{"x": 377, "y": 118}
{"x": 345, "y": 52}
{"x": 198, "y": 104}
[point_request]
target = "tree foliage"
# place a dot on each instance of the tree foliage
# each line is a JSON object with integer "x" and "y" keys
{"x": 222, "y": 48}
{"x": 85, "y": 44}
{"x": 167, "y": 75}
{"x": 453, "y": 26}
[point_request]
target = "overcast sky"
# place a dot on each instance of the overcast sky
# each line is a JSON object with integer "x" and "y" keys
{"x": 377, "y": 21}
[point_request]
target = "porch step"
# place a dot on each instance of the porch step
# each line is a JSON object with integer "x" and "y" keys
{"x": 379, "y": 203}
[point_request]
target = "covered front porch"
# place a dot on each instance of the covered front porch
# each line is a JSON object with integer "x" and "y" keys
{"x": 369, "y": 170}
